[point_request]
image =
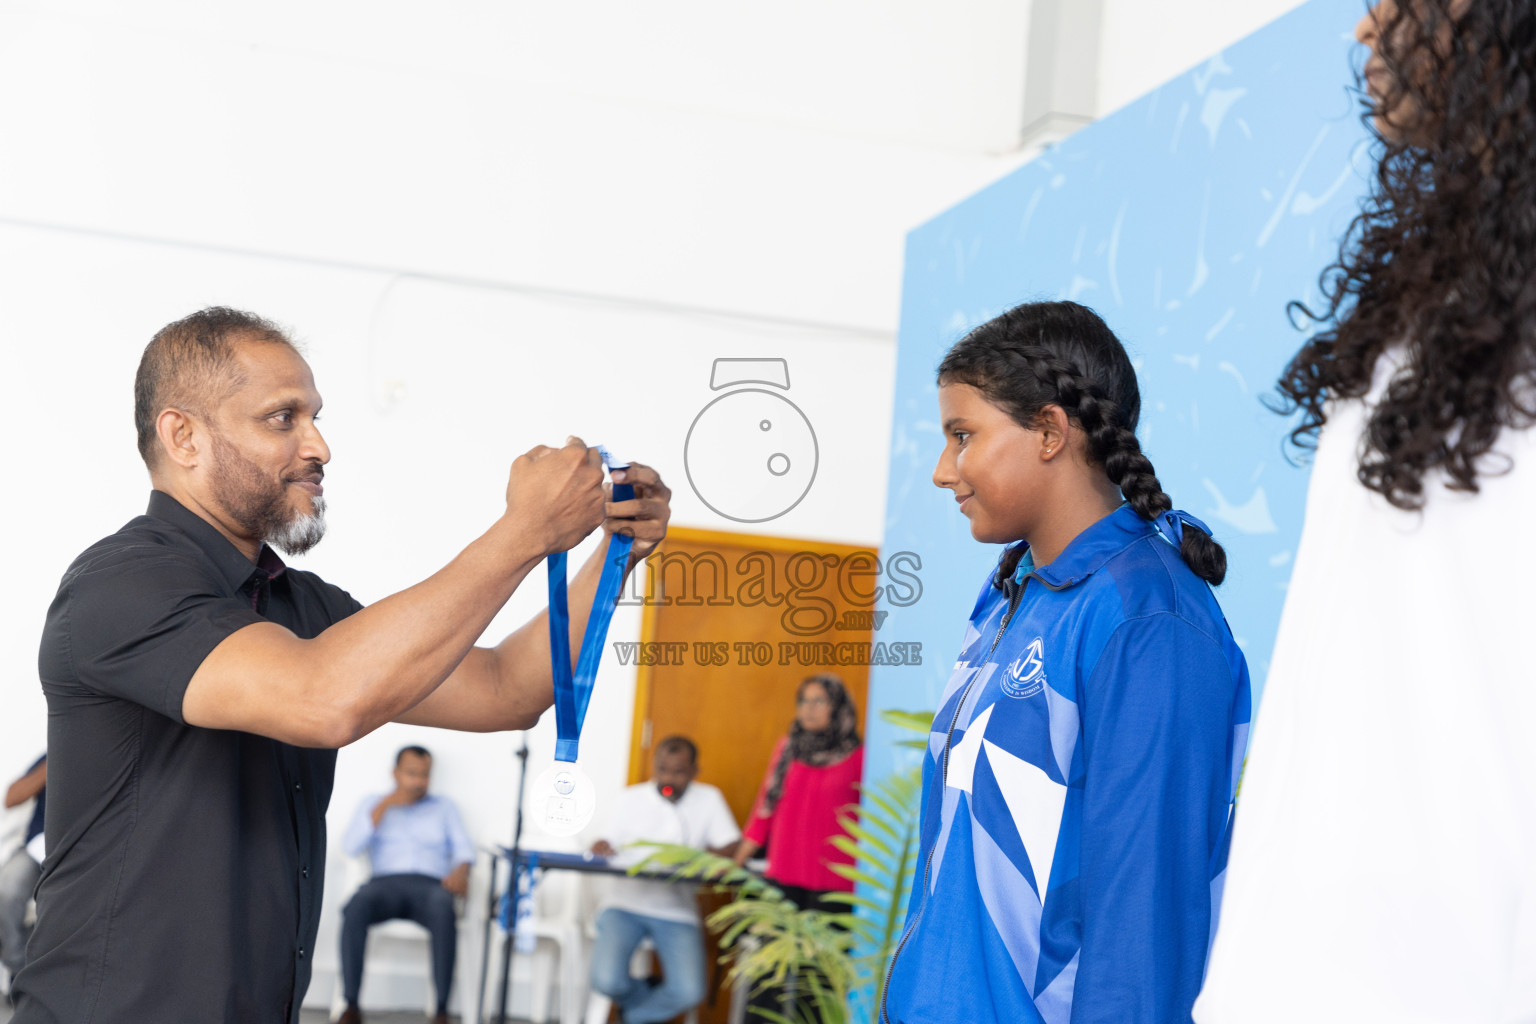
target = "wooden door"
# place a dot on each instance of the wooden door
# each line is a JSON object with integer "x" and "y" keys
{"x": 714, "y": 605}
{"x": 717, "y": 606}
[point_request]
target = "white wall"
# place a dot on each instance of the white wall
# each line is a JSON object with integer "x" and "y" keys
{"x": 492, "y": 225}
{"x": 1146, "y": 42}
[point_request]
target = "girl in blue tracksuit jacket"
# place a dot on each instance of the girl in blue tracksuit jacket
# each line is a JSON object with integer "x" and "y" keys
{"x": 1081, "y": 770}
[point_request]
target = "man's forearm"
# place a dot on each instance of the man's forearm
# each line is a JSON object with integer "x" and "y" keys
{"x": 27, "y": 787}
{"x": 394, "y": 653}
{"x": 510, "y": 685}
{"x": 372, "y": 666}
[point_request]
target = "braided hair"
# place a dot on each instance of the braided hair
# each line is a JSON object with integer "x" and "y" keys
{"x": 1061, "y": 353}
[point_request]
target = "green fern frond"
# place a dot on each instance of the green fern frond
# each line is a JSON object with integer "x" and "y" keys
{"x": 877, "y": 864}
{"x": 853, "y": 874}
{"x": 884, "y": 802}
{"x": 862, "y": 835}
{"x": 917, "y": 721}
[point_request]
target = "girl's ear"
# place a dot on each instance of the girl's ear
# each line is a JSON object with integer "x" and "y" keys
{"x": 1055, "y": 428}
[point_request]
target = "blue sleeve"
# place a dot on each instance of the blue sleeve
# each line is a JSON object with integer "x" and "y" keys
{"x": 1156, "y": 737}
{"x": 458, "y": 836}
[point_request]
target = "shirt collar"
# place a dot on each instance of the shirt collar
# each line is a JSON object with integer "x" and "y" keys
{"x": 1092, "y": 548}
{"x": 232, "y": 565}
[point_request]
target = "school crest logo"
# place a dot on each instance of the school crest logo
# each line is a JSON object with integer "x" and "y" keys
{"x": 1026, "y": 676}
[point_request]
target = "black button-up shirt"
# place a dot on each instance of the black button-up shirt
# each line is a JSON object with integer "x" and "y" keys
{"x": 183, "y": 876}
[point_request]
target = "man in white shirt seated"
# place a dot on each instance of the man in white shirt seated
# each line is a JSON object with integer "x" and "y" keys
{"x": 421, "y": 856}
{"x": 670, "y": 808}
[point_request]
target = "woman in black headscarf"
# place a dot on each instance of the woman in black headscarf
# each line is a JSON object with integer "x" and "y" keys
{"x": 814, "y": 773}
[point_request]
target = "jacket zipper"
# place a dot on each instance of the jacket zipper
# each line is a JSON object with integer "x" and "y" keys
{"x": 949, "y": 738}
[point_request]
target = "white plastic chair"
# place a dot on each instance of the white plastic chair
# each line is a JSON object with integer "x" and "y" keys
{"x": 358, "y": 870}
{"x": 557, "y": 929}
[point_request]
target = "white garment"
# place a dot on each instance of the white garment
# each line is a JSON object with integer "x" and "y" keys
{"x": 1383, "y": 865}
{"x": 700, "y": 818}
{"x": 13, "y": 828}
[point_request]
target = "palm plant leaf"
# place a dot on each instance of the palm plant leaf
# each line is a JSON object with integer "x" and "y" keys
{"x": 916, "y": 721}
{"x": 856, "y": 900}
{"x": 864, "y": 837}
{"x": 886, "y": 881}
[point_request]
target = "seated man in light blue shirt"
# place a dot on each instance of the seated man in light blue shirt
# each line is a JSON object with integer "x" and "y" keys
{"x": 421, "y": 856}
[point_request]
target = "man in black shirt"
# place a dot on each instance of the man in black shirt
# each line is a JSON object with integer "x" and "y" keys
{"x": 197, "y": 688}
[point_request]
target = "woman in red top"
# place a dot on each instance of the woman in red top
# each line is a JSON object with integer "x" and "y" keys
{"x": 814, "y": 773}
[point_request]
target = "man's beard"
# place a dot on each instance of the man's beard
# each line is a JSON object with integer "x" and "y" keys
{"x": 260, "y": 505}
{"x": 302, "y": 532}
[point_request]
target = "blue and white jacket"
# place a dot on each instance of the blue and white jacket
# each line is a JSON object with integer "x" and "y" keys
{"x": 1077, "y": 799}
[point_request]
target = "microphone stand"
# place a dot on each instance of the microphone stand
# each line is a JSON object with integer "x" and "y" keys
{"x": 513, "y": 893}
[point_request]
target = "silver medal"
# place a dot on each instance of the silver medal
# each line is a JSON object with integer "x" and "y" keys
{"x": 563, "y": 799}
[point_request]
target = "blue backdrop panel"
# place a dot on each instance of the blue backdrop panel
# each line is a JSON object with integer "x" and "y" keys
{"x": 1187, "y": 220}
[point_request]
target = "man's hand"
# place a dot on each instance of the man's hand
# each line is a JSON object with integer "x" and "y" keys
{"x": 603, "y": 848}
{"x": 399, "y": 798}
{"x": 557, "y": 493}
{"x": 457, "y": 881}
{"x": 645, "y": 516}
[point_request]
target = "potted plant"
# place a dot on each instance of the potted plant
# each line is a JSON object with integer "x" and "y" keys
{"x": 838, "y": 959}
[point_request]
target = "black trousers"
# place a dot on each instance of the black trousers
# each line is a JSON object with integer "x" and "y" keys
{"x": 419, "y": 898}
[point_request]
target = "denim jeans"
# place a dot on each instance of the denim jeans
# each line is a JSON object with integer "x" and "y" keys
{"x": 679, "y": 946}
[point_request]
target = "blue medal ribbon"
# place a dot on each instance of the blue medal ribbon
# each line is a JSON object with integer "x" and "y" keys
{"x": 573, "y": 689}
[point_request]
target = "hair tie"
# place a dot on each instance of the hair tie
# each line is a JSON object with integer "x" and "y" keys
{"x": 1174, "y": 520}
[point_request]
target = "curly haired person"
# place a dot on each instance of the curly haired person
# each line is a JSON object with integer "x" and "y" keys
{"x": 1383, "y": 864}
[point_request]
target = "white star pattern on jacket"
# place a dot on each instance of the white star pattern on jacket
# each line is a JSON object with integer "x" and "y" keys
{"x": 1034, "y": 799}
